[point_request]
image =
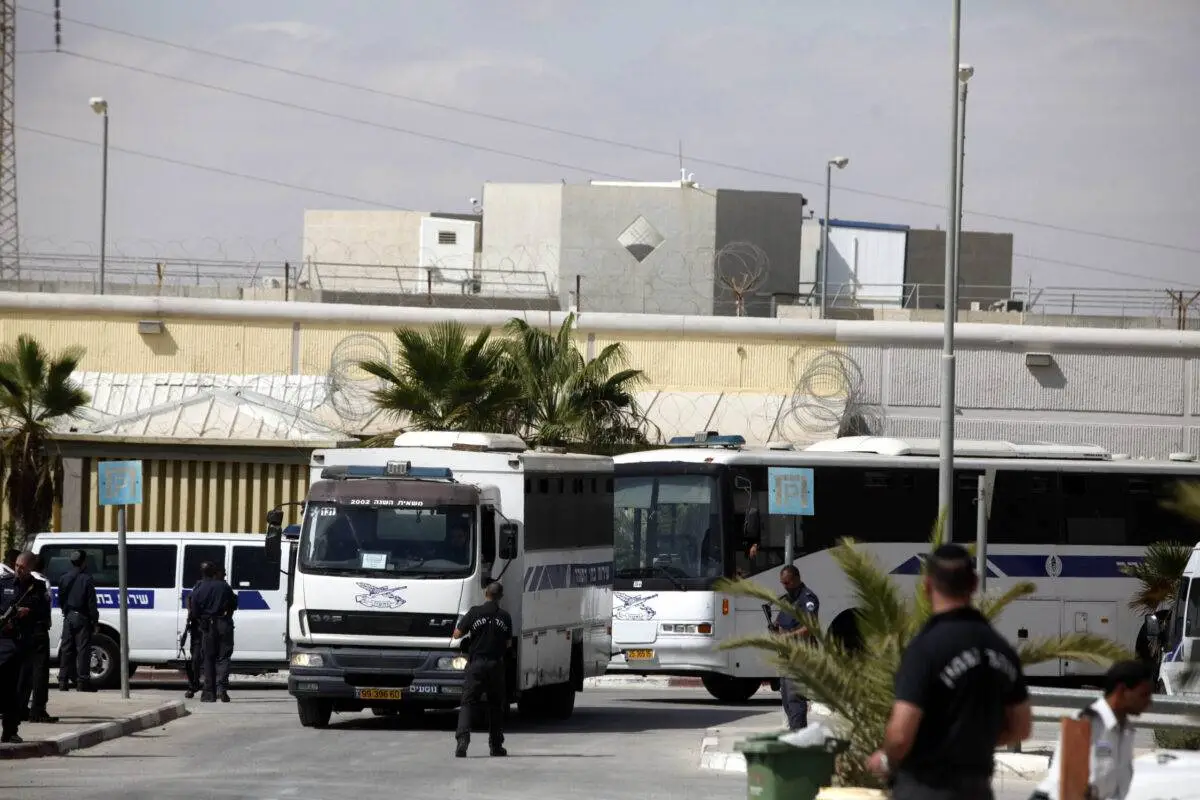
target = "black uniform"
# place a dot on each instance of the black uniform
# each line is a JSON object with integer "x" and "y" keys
{"x": 16, "y": 643}
{"x": 77, "y": 601}
{"x": 37, "y": 668}
{"x": 795, "y": 704}
{"x": 195, "y": 651}
{"x": 213, "y": 604}
{"x": 490, "y": 630}
{"x": 963, "y": 676}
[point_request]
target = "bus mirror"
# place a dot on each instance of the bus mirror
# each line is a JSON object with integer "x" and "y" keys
{"x": 273, "y": 546}
{"x": 508, "y": 541}
{"x": 1153, "y": 628}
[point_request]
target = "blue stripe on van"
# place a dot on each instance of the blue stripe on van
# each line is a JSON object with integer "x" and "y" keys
{"x": 544, "y": 577}
{"x": 1042, "y": 566}
{"x": 110, "y": 598}
{"x": 248, "y": 600}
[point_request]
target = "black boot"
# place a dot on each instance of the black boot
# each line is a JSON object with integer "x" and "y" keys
{"x": 460, "y": 751}
{"x": 498, "y": 750}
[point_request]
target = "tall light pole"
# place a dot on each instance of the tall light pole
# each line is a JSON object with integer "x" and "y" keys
{"x": 946, "y": 445}
{"x": 965, "y": 71}
{"x": 100, "y": 106}
{"x": 840, "y": 162}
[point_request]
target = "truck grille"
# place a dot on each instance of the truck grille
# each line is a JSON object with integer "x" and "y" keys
{"x": 380, "y": 623}
{"x": 385, "y": 661}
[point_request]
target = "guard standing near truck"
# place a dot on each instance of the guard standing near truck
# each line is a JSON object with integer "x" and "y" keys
{"x": 800, "y": 597}
{"x": 490, "y": 630}
{"x": 77, "y": 600}
{"x": 213, "y": 603}
{"x": 37, "y": 667}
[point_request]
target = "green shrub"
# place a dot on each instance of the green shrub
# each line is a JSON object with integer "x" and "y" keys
{"x": 1177, "y": 740}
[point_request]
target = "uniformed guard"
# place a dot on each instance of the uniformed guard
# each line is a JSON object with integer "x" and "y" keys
{"x": 960, "y": 694}
{"x": 77, "y": 601}
{"x": 24, "y": 606}
{"x": 213, "y": 603}
{"x": 192, "y": 631}
{"x": 799, "y": 596}
{"x": 490, "y": 630}
{"x": 1128, "y": 691}
{"x": 37, "y": 666}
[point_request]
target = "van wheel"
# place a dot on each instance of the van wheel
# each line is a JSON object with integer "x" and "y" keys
{"x": 105, "y": 662}
{"x": 314, "y": 713}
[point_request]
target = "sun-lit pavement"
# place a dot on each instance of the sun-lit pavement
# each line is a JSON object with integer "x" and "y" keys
{"x": 619, "y": 744}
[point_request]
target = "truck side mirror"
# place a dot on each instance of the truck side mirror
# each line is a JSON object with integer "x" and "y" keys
{"x": 1153, "y": 627}
{"x": 508, "y": 541}
{"x": 273, "y": 545}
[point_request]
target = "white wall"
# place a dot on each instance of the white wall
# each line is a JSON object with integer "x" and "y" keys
{"x": 866, "y": 267}
{"x": 522, "y": 238}
{"x": 450, "y": 265}
{"x": 369, "y": 251}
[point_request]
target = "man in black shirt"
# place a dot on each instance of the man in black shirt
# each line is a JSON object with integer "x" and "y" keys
{"x": 213, "y": 604}
{"x": 960, "y": 694}
{"x": 795, "y": 704}
{"x": 192, "y": 628}
{"x": 490, "y": 630}
{"x": 24, "y": 608}
{"x": 77, "y": 601}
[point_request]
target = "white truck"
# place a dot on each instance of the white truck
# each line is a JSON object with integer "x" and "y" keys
{"x": 398, "y": 543}
{"x": 1178, "y": 632}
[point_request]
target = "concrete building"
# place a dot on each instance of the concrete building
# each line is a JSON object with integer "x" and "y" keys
{"x": 663, "y": 248}
{"x": 883, "y": 266}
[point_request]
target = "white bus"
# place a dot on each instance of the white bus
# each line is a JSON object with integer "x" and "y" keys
{"x": 1064, "y": 517}
{"x": 162, "y": 569}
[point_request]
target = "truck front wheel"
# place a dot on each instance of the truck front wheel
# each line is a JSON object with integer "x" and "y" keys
{"x": 314, "y": 713}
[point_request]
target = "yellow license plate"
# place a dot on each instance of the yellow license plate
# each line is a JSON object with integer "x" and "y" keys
{"x": 379, "y": 694}
{"x": 639, "y": 655}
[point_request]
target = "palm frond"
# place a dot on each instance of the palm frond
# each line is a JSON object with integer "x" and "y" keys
{"x": 1158, "y": 575}
{"x": 992, "y": 605}
{"x": 1074, "y": 647}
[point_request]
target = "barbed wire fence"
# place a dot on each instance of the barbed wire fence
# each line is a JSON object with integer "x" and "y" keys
{"x": 737, "y": 279}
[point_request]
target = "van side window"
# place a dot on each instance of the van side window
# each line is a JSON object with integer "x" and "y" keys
{"x": 196, "y": 554}
{"x": 252, "y": 570}
{"x": 151, "y": 566}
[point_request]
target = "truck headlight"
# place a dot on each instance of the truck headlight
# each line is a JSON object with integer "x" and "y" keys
{"x": 307, "y": 660}
{"x": 452, "y": 662}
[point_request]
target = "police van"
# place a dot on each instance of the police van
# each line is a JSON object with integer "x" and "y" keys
{"x": 162, "y": 568}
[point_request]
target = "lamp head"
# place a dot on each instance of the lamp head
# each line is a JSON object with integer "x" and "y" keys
{"x": 965, "y": 71}
{"x": 99, "y": 105}
{"x": 840, "y": 162}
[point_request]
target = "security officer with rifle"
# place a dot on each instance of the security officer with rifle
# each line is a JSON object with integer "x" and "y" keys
{"x": 37, "y": 666}
{"x": 77, "y": 600}
{"x": 193, "y": 663}
{"x": 24, "y": 607}
{"x": 489, "y": 629}
{"x": 213, "y": 604}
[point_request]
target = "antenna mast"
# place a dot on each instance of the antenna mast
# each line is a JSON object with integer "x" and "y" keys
{"x": 10, "y": 267}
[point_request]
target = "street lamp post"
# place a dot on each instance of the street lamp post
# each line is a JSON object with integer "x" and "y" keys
{"x": 949, "y": 293}
{"x": 965, "y": 71}
{"x": 100, "y": 106}
{"x": 840, "y": 162}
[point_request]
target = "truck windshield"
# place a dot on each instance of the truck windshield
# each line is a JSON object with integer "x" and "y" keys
{"x": 667, "y": 531}
{"x": 432, "y": 541}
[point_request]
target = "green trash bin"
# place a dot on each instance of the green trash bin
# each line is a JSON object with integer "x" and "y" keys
{"x": 779, "y": 771}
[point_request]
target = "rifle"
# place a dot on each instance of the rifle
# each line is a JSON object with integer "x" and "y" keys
{"x": 188, "y": 667}
{"x": 7, "y": 617}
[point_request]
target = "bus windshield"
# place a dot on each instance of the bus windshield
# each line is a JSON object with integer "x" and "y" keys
{"x": 667, "y": 529}
{"x": 359, "y": 540}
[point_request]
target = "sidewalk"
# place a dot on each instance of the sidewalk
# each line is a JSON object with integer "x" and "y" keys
{"x": 1016, "y": 772}
{"x": 86, "y": 720}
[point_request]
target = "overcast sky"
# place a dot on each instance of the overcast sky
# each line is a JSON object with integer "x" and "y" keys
{"x": 1083, "y": 116}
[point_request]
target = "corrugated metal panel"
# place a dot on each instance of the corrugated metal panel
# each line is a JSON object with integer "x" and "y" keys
{"x": 204, "y": 496}
{"x": 866, "y": 267}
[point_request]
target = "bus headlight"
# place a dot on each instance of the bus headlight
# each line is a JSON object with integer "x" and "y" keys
{"x": 307, "y": 660}
{"x": 703, "y": 628}
{"x": 452, "y": 662}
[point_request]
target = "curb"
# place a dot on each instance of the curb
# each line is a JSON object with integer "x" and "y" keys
{"x": 96, "y": 734}
{"x": 713, "y": 758}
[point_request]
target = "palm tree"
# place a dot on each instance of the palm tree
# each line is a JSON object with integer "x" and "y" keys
{"x": 857, "y": 684}
{"x": 36, "y": 390}
{"x": 446, "y": 381}
{"x": 1158, "y": 573}
{"x": 567, "y": 399}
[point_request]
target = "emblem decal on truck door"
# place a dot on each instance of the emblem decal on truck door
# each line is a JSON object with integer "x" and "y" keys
{"x": 380, "y": 596}
{"x": 633, "y": 608}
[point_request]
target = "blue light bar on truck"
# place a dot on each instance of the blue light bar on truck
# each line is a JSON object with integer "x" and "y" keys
{"x": 394, "y": 469}
{"x": 707, "y": 439}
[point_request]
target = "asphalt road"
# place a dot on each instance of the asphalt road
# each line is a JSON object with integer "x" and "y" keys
{"x": 620, "y": 744}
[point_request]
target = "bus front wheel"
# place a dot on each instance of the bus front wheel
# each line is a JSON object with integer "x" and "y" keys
{"x": 731, "y": 690}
